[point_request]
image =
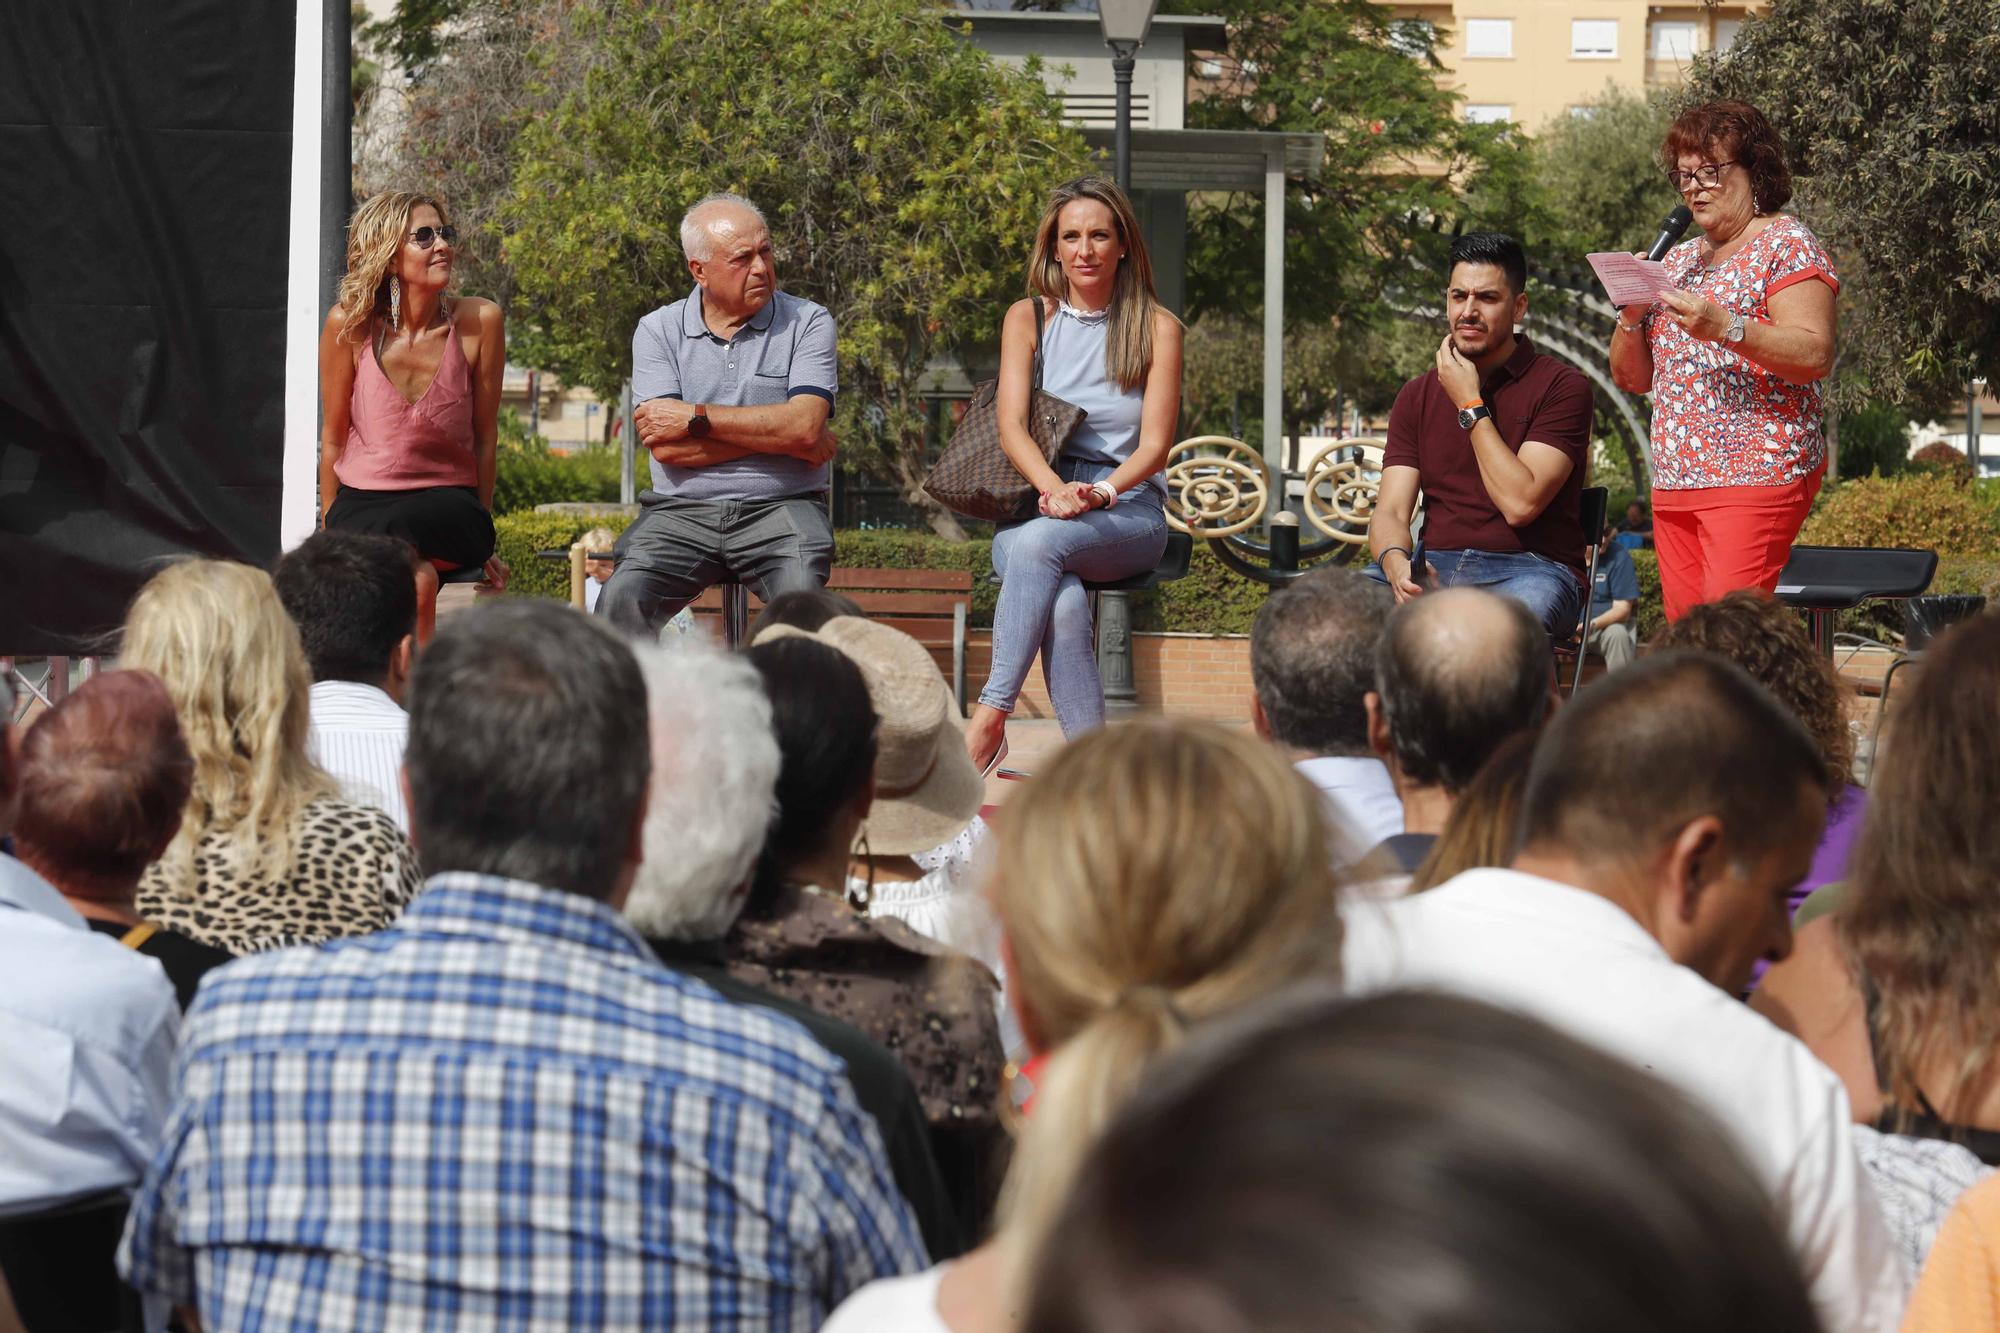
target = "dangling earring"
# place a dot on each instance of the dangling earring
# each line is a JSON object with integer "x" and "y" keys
{"x": 867, "y": 894}
{"x": 395, "y": 302}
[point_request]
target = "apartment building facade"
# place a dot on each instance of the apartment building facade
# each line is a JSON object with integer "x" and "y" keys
{"x": 1529, "y": 61}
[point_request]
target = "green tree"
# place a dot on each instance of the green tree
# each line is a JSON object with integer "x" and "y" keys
{"x": 415, "y": 33}
{"x": 1367, "y": 81}
{"x": 1874, "y": 439}
{"x": 902, "y": 171}
{"x": 1890, "y": 110}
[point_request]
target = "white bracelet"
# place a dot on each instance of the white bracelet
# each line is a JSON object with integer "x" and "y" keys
{"x": 1105, "y": 489}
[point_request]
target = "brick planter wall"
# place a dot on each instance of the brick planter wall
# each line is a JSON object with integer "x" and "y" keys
{"x": 1184, "y": 675}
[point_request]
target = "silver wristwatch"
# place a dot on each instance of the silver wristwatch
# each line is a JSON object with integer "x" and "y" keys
{"x": 1734, "y": 334}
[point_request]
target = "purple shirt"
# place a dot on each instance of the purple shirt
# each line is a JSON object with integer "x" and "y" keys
{"x": 1843, "y": 825}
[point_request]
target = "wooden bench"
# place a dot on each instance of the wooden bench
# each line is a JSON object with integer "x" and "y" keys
{"x": 929, "y": 605}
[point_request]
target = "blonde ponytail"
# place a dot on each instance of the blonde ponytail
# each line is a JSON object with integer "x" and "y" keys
{"x": 1210, "y": 888}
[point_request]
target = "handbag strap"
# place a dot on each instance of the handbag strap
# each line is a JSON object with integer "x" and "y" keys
{"x": 1035, "y": 385}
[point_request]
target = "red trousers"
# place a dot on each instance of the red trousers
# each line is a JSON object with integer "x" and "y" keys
{"x": 1723, "y": 538}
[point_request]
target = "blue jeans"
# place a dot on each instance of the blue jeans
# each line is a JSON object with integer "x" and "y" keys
{"x": 1042, "y": 564}
{"x": 1548, "y": 588}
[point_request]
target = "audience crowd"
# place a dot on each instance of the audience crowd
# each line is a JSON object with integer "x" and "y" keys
{"x": 722, "y": 999}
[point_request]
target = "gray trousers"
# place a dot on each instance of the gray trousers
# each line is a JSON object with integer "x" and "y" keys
{"x": 677, "y": 548}
{"x": 1616, "y": 644}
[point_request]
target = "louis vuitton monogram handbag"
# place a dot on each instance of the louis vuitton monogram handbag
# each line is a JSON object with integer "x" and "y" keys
{"x": 974, "y": 476}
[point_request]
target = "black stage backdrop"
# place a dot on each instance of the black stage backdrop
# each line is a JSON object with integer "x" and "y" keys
{"x": 145, "y": 176}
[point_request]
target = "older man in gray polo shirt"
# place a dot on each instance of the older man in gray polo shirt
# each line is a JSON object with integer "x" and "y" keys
{"x": 735, "y": 384}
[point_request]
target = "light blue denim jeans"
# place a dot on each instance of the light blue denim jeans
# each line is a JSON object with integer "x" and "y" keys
{"x": 1042, "y": 565}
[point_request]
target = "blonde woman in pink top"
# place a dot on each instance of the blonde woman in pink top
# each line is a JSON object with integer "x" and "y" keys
{"x": 410, "y": 394}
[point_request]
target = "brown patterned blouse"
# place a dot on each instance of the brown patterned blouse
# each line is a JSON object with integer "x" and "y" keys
{"x": 931, "y": 1005}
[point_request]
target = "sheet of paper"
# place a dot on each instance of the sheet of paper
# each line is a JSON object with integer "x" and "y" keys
{"x": 1629, "y": 280}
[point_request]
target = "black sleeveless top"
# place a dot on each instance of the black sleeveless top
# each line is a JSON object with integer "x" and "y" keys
{"x": 1924, "y": 1122}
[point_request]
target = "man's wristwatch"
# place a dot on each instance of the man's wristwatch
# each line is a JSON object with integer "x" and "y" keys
{"x": 1734, "y": 333}
{"x": 1472, "y": 414}
{"x": 698, "y": 423}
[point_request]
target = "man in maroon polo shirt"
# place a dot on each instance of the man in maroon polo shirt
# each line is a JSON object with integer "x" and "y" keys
{"x": 1497, "y": 439}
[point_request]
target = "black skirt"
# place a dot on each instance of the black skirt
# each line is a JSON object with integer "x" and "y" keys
{"x": 444, "y": 523}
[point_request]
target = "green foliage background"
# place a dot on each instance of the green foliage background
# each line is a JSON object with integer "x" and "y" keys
{"x": 902, "y": 171}
{"x": 1890, "y": 111}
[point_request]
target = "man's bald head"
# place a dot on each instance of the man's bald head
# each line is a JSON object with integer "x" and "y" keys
{"x": 716, "y": 219}
{"x": 1457, "y": 673}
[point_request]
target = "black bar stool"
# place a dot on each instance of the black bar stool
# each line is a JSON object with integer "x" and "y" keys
{"x": 1823, "y": 581}
{"x": 1173, "y": 565}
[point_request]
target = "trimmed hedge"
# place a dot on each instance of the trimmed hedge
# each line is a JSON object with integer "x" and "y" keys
{"x": 529, "y": 474}
{"x": 1212, "y": 599}
{"x": 1922, "y": 509}
{"x": 519, "y": 536}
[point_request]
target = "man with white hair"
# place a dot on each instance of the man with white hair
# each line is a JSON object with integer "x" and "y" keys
{"x": 735, "y": 383}
{"x": 715, "y": 776}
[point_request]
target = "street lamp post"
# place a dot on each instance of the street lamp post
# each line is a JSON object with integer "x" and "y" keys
{"x": 1125, "y": 23}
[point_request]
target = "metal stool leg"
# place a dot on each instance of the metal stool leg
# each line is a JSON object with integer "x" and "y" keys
{"x": 735, "y": 614}
{"x": 1882, "y": 706}
{"x": 1820, "y": 622}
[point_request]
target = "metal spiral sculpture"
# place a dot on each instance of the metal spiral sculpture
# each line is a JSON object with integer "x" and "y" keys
{"x": 1219, "y": 488}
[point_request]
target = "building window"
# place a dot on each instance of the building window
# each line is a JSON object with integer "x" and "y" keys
{"x": 1412, "y": 37}
{"x": 1208, "y": 67}
{"x": 1489, "y": 39}
{"x": 1593, "y": 39}
{"x": 1725, "y": 33}
{"x": 1673, "y": 41}
{"x": 1488, "y": 113}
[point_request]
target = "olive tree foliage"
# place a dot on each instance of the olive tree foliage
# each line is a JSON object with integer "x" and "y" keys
{"x": 1890, "y": 112}
{"x": 902, "y": 171}
{"x": 1598, "y": 176}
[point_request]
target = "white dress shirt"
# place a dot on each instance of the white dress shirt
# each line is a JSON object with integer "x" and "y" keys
{"x": 1582, "y": 964}
{"x": 892, "y": 1305}
{"x": 1362, "y": 797}
{"x": 86, "y": 1066}
{"x": 358, "y": 735}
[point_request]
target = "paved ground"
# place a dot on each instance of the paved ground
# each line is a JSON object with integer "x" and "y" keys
{"x": 1031, "y": 742}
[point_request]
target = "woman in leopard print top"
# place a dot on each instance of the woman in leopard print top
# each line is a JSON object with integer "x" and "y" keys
{"x": 267, "y": 855}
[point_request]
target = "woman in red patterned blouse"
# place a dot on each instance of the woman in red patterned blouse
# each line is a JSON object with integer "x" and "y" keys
{"x": 1733, "y": 354}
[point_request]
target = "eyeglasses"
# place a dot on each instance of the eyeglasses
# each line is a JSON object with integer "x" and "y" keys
{"x": 426, "y": 237}
{"x": 1706, "y": 176}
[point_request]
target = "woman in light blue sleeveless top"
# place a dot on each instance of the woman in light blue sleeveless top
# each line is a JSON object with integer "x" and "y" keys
{"x": 1111, "y": 348}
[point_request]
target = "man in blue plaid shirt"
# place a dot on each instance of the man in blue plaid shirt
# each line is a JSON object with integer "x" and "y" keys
{"x": 502, "y": 1112}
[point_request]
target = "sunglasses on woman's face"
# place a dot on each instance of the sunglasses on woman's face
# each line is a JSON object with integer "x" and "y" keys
{"x": 426, "y": 237}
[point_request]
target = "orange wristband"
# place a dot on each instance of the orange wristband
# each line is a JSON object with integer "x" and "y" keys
{"x": 1467, "y": 407}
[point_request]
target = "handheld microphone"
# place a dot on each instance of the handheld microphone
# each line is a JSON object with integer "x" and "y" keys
{"x": 1672, "y": 228}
